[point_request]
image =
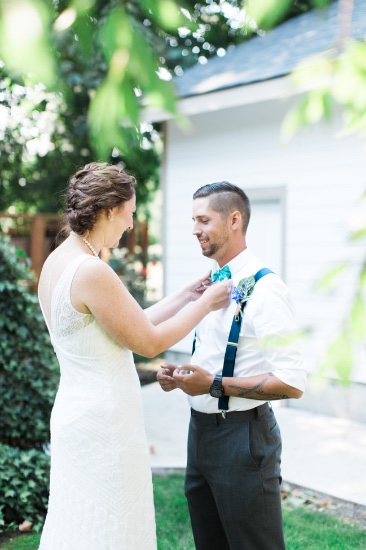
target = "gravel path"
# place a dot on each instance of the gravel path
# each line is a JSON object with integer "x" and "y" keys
{"x": 350, "y": 512}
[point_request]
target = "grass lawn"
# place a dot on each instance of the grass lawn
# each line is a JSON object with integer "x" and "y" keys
{"x": 304, "y": 529}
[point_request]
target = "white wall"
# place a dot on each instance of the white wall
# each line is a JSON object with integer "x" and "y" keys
{"x": 323, "y": 176}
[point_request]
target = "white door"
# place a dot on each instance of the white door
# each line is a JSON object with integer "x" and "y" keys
{"x": 265, "y": 236}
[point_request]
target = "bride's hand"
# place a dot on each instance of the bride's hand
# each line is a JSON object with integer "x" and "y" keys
{"x": 196, "y": 288}
{"x": 218, "y": 295}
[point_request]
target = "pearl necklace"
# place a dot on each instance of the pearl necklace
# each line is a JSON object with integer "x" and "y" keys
{"x": 86, "y": 242}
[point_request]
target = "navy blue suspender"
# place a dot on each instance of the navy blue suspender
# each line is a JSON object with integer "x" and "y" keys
{"x": 232, "y": 345}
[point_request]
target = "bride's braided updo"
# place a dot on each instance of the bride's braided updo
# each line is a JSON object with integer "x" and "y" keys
{"x": 93, "y": 189}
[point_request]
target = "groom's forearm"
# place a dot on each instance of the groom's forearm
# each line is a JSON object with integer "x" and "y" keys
{"x": 263, "y": 387}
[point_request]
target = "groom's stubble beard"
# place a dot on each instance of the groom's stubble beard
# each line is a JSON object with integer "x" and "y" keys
{"x": 215, "y": 247}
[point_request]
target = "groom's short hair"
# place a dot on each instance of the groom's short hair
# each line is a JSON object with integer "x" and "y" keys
{"x": 226, "y": 197}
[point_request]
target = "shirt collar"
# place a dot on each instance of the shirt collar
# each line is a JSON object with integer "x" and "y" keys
{"x": 239, "y": 261}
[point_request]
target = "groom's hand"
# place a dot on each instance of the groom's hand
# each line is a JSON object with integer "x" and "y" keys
{"x": 165, "y": 377}
{"x": 193, "y": 380}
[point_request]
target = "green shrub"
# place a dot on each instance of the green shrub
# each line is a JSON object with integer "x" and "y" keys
{"x": 130, "y": 268}
{"x": 28, "y": 365}
{"x": 24, "y": 479}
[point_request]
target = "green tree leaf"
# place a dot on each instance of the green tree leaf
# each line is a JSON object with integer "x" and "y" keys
{"x": 358, "y": 319}
{"x": 340, "y": 357}
{"x": 24, "y": 28}
{"x": 331, "y": 278}
{"x": 267, "y": 13}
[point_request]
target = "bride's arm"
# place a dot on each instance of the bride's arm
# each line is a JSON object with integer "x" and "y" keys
{"x": 97, "y": 288}
{"x": 170, "y": 305}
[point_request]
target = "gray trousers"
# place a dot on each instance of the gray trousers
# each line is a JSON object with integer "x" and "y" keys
{"x": 233, "y": 480}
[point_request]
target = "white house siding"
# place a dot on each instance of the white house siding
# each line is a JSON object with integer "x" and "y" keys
{"x": 323, "y": 177}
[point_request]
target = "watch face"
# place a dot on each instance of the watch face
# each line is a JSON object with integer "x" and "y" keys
{"x": 217, "y": 389}
{"x": 216, "y": 392}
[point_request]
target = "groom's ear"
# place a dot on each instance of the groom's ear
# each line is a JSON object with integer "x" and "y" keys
{"x": 235, "y": 220}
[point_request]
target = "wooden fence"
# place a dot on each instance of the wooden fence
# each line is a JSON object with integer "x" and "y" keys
{"x": 38, "y": 236}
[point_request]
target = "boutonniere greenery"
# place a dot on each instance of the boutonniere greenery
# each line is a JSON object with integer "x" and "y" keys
{"x": 241, "y": 294}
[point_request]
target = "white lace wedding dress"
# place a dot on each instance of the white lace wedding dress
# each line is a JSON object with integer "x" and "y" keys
{"x": 101, "y": 488}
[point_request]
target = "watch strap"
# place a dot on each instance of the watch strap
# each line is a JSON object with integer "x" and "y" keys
{"x": 217, "y": 384}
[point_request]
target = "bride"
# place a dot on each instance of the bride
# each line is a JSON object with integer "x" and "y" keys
{"x": 101, "y": 488}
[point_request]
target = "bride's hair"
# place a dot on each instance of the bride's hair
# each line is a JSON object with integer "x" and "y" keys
{"x": 94, "y": 188}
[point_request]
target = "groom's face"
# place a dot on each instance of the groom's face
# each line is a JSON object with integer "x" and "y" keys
{"x": 210, "y": 228}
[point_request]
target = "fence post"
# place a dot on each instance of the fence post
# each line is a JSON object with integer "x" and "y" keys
{"x": 144, "y": 237}
{"x": 37, "y": 248}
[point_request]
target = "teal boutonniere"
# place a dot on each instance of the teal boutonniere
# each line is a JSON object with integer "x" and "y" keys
{"x": 241, "y": 293}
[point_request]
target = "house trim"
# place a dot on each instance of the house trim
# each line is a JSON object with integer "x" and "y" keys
{"x": 232, "y": 97}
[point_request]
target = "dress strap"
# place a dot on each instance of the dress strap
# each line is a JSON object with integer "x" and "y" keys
{"x": 44, "y": 317}
{"x": 61, "y": 291}
{"x": 63, "y": 285}
{"x": 69, "y": 272}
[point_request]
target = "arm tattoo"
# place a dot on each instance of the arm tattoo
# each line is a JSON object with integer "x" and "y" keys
{"x": 256, "y": 392}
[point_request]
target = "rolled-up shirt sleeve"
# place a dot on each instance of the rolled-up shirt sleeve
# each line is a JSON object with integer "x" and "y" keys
{"x": 276, "y": 332}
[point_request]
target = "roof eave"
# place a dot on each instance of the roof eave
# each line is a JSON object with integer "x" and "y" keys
{"x": 256, "y": 92}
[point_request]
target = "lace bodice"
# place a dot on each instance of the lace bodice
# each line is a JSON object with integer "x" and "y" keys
{"x": 71, "y": 321}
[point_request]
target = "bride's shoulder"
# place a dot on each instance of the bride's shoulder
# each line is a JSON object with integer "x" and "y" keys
{"x": 95, "y": 270}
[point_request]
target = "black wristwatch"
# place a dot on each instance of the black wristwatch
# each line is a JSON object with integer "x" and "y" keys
{"x": 217, "y": 389}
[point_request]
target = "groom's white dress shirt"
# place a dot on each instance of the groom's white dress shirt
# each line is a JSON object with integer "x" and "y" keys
{"x": 263, "y": 345}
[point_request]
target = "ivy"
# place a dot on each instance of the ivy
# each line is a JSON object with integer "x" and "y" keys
{"x": 24, "y": 479}
{"x": 28, "y": 365}
{"x": 28, "y": 383}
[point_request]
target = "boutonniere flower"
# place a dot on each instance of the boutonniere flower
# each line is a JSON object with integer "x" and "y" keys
{"x": 241, "y": 294}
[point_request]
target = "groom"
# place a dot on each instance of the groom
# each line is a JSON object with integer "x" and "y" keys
{"x": 234, "y": 444}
